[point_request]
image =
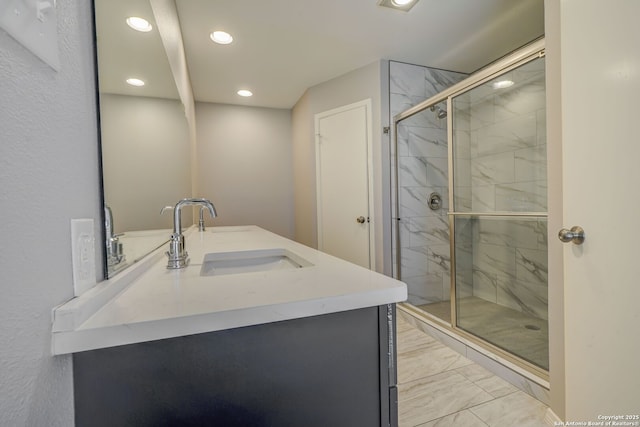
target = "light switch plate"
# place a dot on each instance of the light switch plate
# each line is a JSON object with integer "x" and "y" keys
{"x": 83, "y": 253}
{"x": 34, "y": 24}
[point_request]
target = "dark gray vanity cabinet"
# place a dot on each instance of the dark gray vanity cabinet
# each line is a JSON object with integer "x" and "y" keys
{"x": 327, "y": 371}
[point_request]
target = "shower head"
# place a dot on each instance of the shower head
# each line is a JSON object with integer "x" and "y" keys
{"x": 440, "y": 113}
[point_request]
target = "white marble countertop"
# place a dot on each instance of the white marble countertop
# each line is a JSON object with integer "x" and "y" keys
{"x": 148, "y": 302}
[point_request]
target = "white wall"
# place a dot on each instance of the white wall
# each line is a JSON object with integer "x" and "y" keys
{"x": 360, "y": 84}
{"x": 48, "y": 175}
{"x": 244, "y": 165}
{"x": 146, "y": 160}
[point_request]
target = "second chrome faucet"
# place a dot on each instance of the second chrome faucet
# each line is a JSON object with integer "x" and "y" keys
{"x": 178, "y": 256}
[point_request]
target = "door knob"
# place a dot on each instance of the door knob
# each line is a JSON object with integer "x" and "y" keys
{"x": 361, "y": 220}
{"x": 575, "y": 235}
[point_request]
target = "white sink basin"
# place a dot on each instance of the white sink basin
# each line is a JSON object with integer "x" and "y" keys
{"x": 217, "y": 264}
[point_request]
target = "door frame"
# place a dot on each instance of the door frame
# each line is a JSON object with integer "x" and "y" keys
{"x": 370, "y": 196}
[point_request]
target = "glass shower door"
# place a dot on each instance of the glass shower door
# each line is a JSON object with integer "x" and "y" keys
{"x": 423, "y": 229}
{"x": 499, "y": 212}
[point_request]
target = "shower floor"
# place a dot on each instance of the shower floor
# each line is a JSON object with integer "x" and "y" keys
{"x": 519, "y": 333}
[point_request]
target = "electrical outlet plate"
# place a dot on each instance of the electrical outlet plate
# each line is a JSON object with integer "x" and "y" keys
{"x": 83, "y": 253}
{"x": 34, "y": 24}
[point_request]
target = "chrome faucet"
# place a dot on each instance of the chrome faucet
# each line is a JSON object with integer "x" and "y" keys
{"x": 178, "y": 256}
{"x": 113, "y": 246}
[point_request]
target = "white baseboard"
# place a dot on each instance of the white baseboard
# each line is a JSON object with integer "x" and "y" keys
{"x": 551, "y": 419}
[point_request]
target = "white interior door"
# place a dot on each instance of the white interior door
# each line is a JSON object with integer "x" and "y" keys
{"x": 343, "y": 147}
{"x": 597, "y": 62}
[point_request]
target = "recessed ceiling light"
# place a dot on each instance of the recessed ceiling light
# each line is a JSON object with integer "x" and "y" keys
{"x": 139, "y": 24}
{"x": 135, "y": 82}
{"x": 401, "y": 2}
{"x": 501, "y": 84}
{"x": 244, "y": 92}
{"x": 404, "y": 5}
{"x": 221, "y": 37}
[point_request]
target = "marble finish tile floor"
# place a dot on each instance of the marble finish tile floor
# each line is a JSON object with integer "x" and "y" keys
{"x": 517, "y": 332}
{"x": 439, "y": 387}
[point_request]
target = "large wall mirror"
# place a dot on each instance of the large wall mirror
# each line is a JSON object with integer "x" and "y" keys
{"x": 249, "y": 151}
{"x": 144, "y": 134}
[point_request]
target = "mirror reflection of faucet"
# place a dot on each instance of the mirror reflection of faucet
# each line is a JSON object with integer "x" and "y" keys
{"x": 201, "y": 219}
{"x": 114, "y": 249}
{"x": 178, "y": 256}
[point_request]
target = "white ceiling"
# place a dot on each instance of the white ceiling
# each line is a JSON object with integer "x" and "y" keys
{"x": 283, "y": 47}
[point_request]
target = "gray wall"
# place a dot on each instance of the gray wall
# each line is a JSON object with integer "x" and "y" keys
{"x": 244, "y": 165}
{"x": 146, "y": 160}
{"x": 48, "y": 175}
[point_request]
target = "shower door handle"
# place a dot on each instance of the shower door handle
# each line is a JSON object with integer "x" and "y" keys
{"x": 575, "y": 235}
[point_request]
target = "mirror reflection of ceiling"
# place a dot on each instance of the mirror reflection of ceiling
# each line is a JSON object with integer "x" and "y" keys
{"x": 283, "y": 47}
{"x": 125, "y": 53}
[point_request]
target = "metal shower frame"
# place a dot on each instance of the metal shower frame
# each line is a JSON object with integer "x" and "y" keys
{"x": 514, "y": 60}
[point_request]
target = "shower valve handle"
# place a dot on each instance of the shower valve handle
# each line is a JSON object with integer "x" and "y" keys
{"x": 575, "y": 235}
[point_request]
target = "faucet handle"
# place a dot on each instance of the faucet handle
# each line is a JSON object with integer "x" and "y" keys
{"x": 166, "y": 208}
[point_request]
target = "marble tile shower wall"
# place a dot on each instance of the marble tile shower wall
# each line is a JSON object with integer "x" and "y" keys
{"x": 422, "y": 169}
{"x": 500, "y": 165}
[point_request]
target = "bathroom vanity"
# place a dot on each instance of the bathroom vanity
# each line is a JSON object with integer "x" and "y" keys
{"x": 256, "y": 330}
